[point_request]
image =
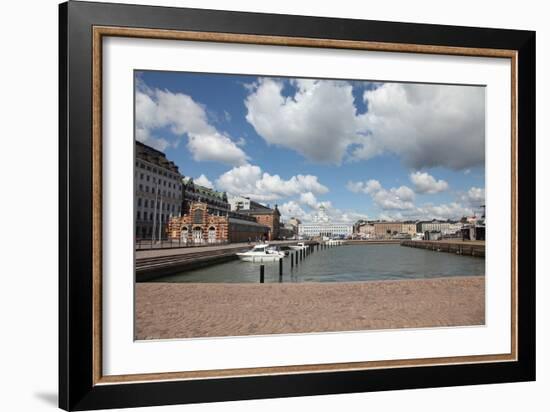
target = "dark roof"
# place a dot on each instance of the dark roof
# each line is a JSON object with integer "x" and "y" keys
{"x": 265, "y": 211}
{"x": 154, "y": 156}
{"x": 188, "y": 181}
{"x": 247, "y": 222}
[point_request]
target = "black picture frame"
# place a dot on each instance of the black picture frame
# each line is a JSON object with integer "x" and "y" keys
{"x": 77, "y": 390}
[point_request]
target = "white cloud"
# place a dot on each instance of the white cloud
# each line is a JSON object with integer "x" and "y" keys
{"x": 426, "y": 125}
{"x": 249, "y": 180}
{"x": 443, "y": 211}
{"x": 294, "y": 209}
{"x": 426, "y": 183}
{"x": 430, "y": 211}
{"x": 475, "y": 197}
{"x": 368, "y": 187}
{"x": 157, "y": 108}
{"x": 318, "y": 120}
{"x": 202, "y": 180}
{"x": 309, "y": 199}
{"x": 400, "y": 198}
{"x": 398, "y": 203}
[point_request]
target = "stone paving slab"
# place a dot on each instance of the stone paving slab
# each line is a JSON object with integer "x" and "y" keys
{"x": 187, "y": 310}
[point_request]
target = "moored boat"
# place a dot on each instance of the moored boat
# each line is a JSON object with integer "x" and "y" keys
{"x": 298, "y": 246}
{"x": 261, "y": 253}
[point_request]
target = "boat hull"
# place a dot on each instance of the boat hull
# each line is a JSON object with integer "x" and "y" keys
{"x": 259, "y": 259}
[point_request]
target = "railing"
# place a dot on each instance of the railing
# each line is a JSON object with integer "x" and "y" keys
{"x": 144, "y": 244}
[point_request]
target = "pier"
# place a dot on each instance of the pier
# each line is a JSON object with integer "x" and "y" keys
{"x": 152, "y": 264}
{"x": 474, "y": 248}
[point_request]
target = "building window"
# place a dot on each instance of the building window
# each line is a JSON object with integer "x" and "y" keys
{"x": 145, "y": 203}
{"x": 139, "y": 202}
{"x": 144, "y": 215}
{"x": 141, "y": 187}
{"x": 148, "y": 177}
{"x": 138, "y": 215}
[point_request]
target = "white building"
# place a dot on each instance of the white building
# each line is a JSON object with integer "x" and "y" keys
{"x": 239, "y": 203}
{"x": 323, "y": 226}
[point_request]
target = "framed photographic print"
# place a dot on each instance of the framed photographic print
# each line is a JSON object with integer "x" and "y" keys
{"x": 257, "y": 205}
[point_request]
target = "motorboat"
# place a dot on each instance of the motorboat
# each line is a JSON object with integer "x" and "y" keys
{"x": 261, "y": 253}
{"x": 298, "y": 246}
{"x": 282, "y": 249}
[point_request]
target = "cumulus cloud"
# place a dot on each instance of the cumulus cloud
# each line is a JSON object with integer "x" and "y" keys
{"x": 318, "y": 120}
{"x": 249, "y": 180}
{"x": 444, "y": 211}
{"x": 474, "y": 197}
{"x": 426, "y": 183}
{"x": 425, "y": 125}
{"x": 399, "y": 203}
{"x": 202, "y": 180}
{"x": 157, "y": 108}
{"x": 400, "y": 198}
{"x": 309, "y": 199}
{"x": 293, "y": 208}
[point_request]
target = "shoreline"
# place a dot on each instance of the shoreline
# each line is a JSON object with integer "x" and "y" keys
{"x": 192, "y": 310}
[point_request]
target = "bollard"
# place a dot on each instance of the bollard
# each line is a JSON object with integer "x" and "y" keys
{"x": 301, "y": 254}
{"x": 280, "y": 270}
{"x": 261, "y": 273}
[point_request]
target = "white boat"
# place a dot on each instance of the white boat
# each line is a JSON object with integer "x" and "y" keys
{"x": 298, "y": 246}
{"x": 261, "y": 253}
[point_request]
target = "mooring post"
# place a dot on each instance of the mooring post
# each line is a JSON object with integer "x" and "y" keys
{"x": 280, "y": 269}
{"x": 261, "y": 273}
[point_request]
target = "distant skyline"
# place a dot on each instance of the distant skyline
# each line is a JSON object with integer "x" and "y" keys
{"x": 363, "y": 149}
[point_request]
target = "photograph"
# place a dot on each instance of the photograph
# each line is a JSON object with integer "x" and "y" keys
{"x": 261, "y": 205}
{"x": 285, "y": 205}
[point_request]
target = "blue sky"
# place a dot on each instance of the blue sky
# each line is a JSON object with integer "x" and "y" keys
{"x": 362, "y": 149}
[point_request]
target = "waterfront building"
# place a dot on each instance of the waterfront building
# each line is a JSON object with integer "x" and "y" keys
{"x": 322, "y": 226}
{"x": 263, "y": 214}
{"x": 158, "y": 192}
{"x": 200, "y": 226}
{"x": 192, "y": 192}
{"x": 365, "y": 230}
{"x": 432, "y": 235}
{"x": 433, "y": 225}
{"x": 408, "y": 228}
{"x": 286, "y": 231}
{"x": 386, "y": 230}
{"x": 294, "y": 223}
{"x": 239, "y": 203}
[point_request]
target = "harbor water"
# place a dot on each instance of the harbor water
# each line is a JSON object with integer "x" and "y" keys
{"x": 342, "y": 264}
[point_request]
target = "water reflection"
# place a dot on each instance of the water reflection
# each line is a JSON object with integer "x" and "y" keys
{"x": 343, "y": 264}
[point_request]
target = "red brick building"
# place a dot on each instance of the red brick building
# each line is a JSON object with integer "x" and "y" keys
{"x": 200, "y": 227}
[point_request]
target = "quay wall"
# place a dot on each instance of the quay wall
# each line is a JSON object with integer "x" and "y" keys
{"x": 372, "y": 242}
{"x": 476, "y": 249}
{"x": 153, "y": 264}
